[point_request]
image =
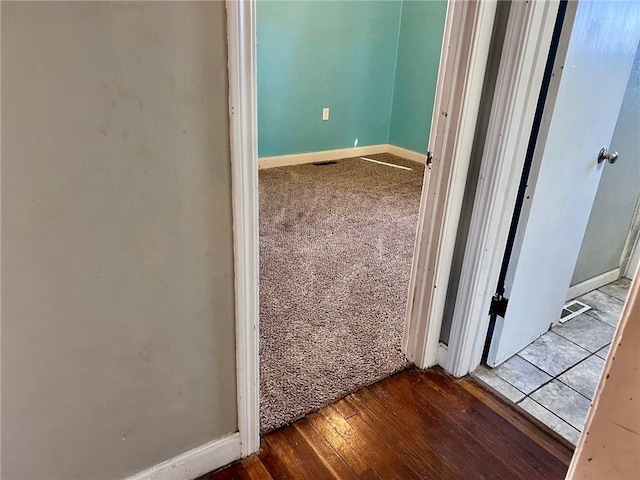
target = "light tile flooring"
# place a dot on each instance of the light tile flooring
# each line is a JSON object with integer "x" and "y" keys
{"x": 555, "y": 378}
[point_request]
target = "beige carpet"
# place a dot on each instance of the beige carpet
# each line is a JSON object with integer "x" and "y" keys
{"x": 336, "y": 243}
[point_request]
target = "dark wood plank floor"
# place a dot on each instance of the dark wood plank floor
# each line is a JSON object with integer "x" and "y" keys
{"x": 412, "y": 425}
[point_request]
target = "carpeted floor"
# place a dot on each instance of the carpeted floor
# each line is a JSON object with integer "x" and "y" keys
{"x": 336, "y": 243}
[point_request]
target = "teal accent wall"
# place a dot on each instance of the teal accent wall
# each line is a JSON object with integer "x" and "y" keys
{"x": 421, "y": 30}
{"x": 314, "y": 54}
{"x": 343, "y": 55}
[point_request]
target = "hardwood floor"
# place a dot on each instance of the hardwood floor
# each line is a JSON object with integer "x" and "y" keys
{"x": 412, "y": 425}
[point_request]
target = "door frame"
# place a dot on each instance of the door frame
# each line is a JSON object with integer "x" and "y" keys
{"x": 466, "y": 42}
{"x": 463, "y": 61}
{"x": 524, "y": 56}
{"x": 243, "y": 107}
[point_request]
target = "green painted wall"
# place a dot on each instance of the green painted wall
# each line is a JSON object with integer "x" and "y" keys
{"x": 421, "y": 29}
{"x": 314, "y": 54}
{"x": 343, "y": 55}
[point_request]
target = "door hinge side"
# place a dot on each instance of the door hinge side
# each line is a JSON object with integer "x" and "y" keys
{"x": 499, "y": 305}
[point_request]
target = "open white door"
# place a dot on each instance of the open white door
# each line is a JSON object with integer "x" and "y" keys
{"x": 578, "y": 121}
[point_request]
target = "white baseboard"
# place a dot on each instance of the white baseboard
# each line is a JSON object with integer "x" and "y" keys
{"x": 408, "y": 154}
{"x": 195, "y": 463}
{"x": 593, "y": 283}
{"x": 329, "y": 155}
{"x": 323, "y": 156}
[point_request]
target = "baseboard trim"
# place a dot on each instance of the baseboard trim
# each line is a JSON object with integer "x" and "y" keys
{"x": 329, "y": 155}
{"x": 408, "y": 154}
{"x": 593, "y": 283}
{"x": 197, "y": 462}
{"x": 323, "y": 156}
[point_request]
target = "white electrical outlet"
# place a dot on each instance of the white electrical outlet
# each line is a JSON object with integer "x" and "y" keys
{"x": 325, "y": 113}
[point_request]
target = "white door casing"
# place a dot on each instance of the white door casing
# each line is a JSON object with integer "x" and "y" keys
{"x": 463, "y": 60}
{"x": 243, "y": 109}
{"x": 581, "y": 119}
{"x": 524, "y": 56}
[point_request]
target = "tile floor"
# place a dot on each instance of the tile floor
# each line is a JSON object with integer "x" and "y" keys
{"x": 555, "y": 378}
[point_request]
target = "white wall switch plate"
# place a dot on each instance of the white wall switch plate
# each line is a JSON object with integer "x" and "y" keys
{"x": 325, "y": 113}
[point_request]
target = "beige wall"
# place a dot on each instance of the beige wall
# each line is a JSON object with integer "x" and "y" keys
{"x": 117, "y": 265}
{"x": 611, "y": 448}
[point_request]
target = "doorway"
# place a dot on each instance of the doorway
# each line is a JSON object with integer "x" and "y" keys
{"x": 467, "y": 39}
{"x": 345, "y": 96}
{"x": 563, "y": 285}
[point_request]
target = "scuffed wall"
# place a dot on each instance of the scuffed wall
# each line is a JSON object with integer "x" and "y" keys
{"x": 117, "y": 262}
